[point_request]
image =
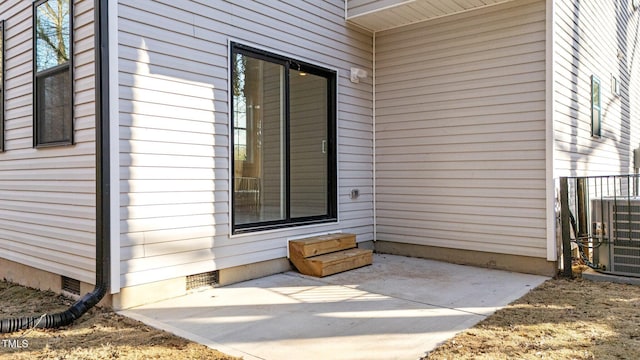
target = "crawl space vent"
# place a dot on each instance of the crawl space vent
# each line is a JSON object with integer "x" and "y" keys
{"x": 201, "y": 280}
{"x": 71, "y": 285}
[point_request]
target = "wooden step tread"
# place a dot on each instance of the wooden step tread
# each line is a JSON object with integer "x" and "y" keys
{"x": 319, "y": 245}
{"x": 339, "y": 255}
{"x": 335, "y": 262}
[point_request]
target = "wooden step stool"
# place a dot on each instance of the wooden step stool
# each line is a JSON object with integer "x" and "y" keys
{"x": 328, "y": 254}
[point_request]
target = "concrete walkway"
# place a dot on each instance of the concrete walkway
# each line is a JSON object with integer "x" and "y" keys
{"x": 397, "y": 308}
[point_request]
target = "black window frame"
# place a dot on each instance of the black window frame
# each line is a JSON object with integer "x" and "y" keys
{"x": 332, "y": 178}
{"x": 40, "y": 76}
{"x": 2, "y": 83}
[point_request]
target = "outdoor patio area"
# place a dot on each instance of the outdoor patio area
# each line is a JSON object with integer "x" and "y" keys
{"x": 397, "y": 308}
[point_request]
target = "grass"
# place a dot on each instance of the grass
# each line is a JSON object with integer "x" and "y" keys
{"x": 561, "y": 319}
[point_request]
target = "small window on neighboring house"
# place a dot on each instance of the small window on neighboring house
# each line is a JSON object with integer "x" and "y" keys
{"x": 52, "y": 68}
{"x": 2, "y": 85}
{"x": 596, "y": 110}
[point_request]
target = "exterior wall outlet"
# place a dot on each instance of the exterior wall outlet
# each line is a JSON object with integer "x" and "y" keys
{"x": 355, "y": 193}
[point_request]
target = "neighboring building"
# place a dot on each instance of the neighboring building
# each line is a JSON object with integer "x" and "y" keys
{"x": 428, "y": 128}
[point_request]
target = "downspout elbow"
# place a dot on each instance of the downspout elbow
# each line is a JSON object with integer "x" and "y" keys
{"x": 57, "y": 320}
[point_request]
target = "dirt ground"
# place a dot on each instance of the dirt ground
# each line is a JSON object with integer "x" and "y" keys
{"x": 561, "y": 319}
{"x": 99, "y": 334}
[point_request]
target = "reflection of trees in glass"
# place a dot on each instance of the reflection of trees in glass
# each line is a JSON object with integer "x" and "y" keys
{"x": 240, "y": 107}
{"x": 52, "y": 34}
{"x": 53, "y": 120}
{"x": 239, "y": 68}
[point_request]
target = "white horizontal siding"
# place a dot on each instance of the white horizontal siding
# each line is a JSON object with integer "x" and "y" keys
{"x": 174, "y": 128}
{"x": 460, "y": 131}
{"x": 47, "y": 196}
{"x": 595, "y": 38}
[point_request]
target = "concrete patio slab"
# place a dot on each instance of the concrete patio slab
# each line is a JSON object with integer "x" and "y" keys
{"x": 397, "y": 308}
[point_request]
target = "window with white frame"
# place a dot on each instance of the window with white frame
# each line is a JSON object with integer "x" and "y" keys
{"x": 596, "y": 109}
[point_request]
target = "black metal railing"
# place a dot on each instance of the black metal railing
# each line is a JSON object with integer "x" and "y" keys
{"x": 600, "y": 219}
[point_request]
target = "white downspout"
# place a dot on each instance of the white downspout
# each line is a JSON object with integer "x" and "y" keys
{"x": 552, "y": 245}
{"x": 114, "y": 147}
{"x": 373, "y": 114}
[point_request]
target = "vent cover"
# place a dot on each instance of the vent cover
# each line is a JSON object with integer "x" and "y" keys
{"x": 70, "y": 285}
{"x": 201, "y": 280}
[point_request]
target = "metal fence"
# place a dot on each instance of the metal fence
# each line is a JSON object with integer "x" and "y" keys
{"x": 600, "y": 221}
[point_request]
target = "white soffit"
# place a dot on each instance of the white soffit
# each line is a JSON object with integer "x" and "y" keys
{"x": 378, "y": 15}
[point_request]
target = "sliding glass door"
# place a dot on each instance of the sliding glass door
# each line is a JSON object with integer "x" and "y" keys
{"x": 283, "y": 141}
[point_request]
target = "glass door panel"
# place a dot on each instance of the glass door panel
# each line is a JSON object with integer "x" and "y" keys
{"x": 259, "y": 150}
{"x": 308, "y": 144}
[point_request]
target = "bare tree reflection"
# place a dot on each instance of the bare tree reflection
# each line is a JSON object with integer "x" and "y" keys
{"x": 52, "y": 33}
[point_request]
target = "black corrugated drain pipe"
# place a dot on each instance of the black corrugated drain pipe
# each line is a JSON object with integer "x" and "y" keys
{"x": 103, "y": 258}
